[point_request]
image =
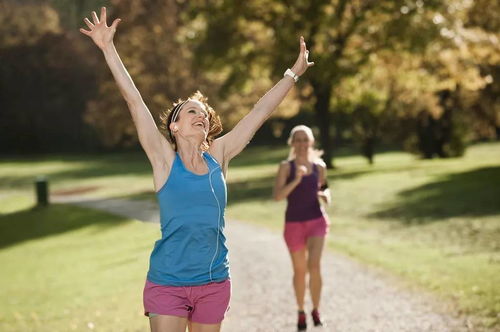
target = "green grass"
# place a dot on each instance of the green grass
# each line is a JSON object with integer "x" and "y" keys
{"x": 89, "y": 175}
{"x": 66, "y": 268}
{"x": 435, "y": 223}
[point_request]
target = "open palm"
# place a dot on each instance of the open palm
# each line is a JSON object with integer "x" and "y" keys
{"x": 302, "y": 62}
{"x": 101, "y": 34}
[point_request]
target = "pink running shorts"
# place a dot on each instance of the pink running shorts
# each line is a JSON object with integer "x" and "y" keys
{"x": 297, "y": 232}
{"x": 205, "y": 304}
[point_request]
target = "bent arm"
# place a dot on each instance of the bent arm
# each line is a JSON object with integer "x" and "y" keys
{"x": 323, "y": 190}
{"x": 281, "y": 188}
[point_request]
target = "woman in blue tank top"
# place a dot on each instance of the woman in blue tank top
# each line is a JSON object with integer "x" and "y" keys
{"x": 188, "y": 277}
{"x": 302, "y": 181}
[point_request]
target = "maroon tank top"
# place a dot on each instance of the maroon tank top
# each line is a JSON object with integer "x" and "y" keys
{"x": 303, "y": 202}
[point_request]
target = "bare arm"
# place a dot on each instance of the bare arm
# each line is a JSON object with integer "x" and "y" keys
{"x": 324, "y": 194}
{"x": 233, "y": 142}
{"x": 157, "y": 148}
{"x": 281, "y": 188}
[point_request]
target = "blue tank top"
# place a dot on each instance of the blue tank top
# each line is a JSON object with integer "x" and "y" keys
{"x": 192, "y": 250}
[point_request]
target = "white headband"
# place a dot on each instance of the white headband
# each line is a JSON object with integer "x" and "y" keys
{"x": 177, "y": 109}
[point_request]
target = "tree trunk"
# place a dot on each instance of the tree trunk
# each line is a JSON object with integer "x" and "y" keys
{"x": 426, "y": 135}
{"x": 368, "y": 149}
{"x": 322, "y": 109}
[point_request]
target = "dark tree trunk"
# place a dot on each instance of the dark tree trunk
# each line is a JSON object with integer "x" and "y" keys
{"x": 368, "y": 149}
{"x": 322, "y": 110}
{"x": 445, "y": 123}
{"x": 426, "y": 135}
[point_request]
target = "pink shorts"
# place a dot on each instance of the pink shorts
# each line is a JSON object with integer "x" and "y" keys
{"x": 297, "y": 232}
{"x": 205, "y": 304}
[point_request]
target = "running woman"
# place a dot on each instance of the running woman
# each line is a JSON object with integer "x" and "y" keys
{"x": 188, "y": 282}
{"x": 302, "y": 181}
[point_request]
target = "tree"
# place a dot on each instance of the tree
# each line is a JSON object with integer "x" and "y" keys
{"x": 150, "y": 41}
{"x": 243, "y": 36}
{"x": 41, "y": 79}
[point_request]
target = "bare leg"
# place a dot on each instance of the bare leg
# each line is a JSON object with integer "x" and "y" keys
{"x": 315, "y": 246}
{"x": 165, "y": 323}
{"x": 197, "y": 327}
{"x": 299, "y": 261}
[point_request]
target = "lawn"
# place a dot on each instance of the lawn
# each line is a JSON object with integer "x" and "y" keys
{"x": 71, "y": 269}
{"x": 435, "y": 223}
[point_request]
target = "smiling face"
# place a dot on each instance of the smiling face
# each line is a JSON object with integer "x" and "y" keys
{"x": 193, "y": 117}
{"x": 301, "y": 142}
{"x": 192, "y": 121}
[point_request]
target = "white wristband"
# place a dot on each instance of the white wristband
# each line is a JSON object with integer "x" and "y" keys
{"x": 290, "y": 73}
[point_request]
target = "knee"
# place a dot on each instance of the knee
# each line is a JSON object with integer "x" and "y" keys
{"x": 300, "y": 271}
{"x": 314, "y": 268}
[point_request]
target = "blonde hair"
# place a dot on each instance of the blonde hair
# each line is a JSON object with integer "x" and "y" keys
{"x": 314, "y": 154}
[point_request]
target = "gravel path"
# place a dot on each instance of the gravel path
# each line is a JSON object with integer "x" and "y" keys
{"x": 355, "y": 298}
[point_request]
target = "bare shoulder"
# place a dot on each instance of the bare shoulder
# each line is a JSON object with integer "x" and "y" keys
{"x": 285, "y": 164}
{"x": 284, "y": 167}
{"x": 320, "y": 164}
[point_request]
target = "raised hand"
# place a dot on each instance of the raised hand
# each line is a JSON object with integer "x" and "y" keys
{"x": 101, "y": 34}
{"x": 302, "y": 62}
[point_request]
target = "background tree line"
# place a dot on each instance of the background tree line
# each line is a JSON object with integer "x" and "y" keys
{"x": 420, "y": 73}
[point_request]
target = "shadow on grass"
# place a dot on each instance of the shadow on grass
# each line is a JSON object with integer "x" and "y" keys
{"x": 55, "y": 219}
{"x": 261, "y": 188}
{"x": 92, "y": 166}
{"x": 472, "y": 193}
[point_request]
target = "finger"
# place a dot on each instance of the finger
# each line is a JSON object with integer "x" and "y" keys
{"x": 85, "y": 32}
{"x": 103, "y": 15}
{"x": 89, "y": 24}
{"x": 302, "y": 44}
{"x": 115, "y": 23}
{"x": 94, "y": 17}
{"x": 309, "y": 63}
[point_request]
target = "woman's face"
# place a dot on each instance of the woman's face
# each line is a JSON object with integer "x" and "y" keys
{"x": 192, "y": 121}
{"x": 301, "y": 142}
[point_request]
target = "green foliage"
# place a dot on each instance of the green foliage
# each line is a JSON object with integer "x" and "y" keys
{"x": 405, "y": 52}
{"x": 25, "y": 23}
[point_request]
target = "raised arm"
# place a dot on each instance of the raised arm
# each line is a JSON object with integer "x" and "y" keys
{"x": 233, "y": 142}
{"x": 157, "y": 148}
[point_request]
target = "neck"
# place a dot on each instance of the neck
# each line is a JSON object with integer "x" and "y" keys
{"x": 302, "y": 157}
{"x": 190, "y": 151}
